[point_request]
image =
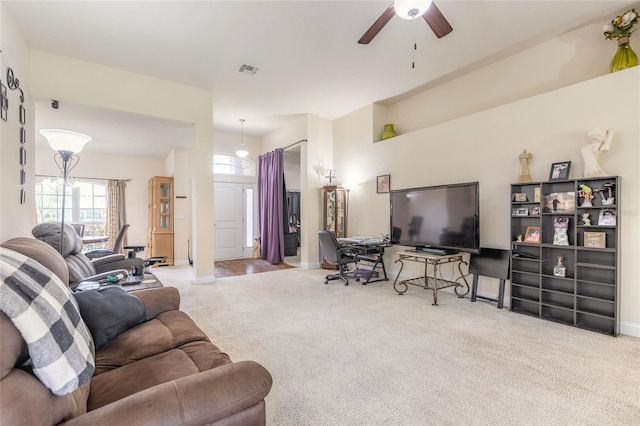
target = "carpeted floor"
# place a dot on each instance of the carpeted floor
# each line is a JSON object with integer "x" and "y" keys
{"x": 363, "y": 355}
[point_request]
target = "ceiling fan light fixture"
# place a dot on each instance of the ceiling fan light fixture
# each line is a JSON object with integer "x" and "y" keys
{"x": 411, "y": 9}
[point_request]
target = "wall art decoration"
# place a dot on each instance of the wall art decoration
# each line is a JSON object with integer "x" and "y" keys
{"x": 383, "y": 184}
{"x": 14, "y": 84}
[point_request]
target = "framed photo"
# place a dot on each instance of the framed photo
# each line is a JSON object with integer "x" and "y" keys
{"x": 23, "y": 156}
{"x": 23, "y": 196}
{"x": 532, "y": 235}
{"x": 3, "y": 114}
{"x": 383, "y": 184}
{"x": 560, "y": 171}
{"x": 23, "y": 135}
{"x": 23, "y": 115}
{"x": 23, "y": 177}
{"x": 523, "y": 211}
{"x": 536, "y": 194}
{"x": 595, "y": 239}
{"x": 535, "y": 211}
{"x": 560, "y": 202}
{"x": 519, "y": 197}
{"x": 607, "y": 217}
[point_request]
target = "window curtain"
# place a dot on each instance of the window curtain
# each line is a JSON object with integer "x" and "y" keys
{"x": 271, "y": 211}
{"x": 115, "y": 209}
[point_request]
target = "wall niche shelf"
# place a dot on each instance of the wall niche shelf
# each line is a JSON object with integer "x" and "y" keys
{"x": 588, "y": 295}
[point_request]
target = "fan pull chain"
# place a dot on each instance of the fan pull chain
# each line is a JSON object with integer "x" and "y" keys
{"x": 413, "y": 59}
{"x": 413, "y": 54}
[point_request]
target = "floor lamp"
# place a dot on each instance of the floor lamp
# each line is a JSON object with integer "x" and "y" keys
{"x": 67, "y": 144}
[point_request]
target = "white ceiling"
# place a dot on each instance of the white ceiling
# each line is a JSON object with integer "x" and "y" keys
{"x": 307, "y": 53}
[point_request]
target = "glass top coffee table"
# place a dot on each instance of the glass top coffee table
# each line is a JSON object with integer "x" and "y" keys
{"x": 130, "y": 283}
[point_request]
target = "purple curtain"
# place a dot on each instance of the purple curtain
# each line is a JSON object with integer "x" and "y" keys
{"x": 270, "y": 206}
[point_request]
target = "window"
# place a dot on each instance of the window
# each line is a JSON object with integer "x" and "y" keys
{"x": 85, "y": 203}
{"x": 232, "y": 165}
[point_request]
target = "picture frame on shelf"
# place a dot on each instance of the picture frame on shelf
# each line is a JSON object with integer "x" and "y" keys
{"x": 535, "y": 211}
{"x": 560, "y": 170}
{"x": 383, "y": 184}
{"x": 560, "y": 202}
{"x": 607, "y": 217}
{"x": 520, "y": 197}
{"x": 533, "y": 235}
{"x": 521, "y": 211}
{"x": 595, "y": 239}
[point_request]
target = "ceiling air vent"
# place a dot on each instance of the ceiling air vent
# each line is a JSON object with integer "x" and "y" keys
{"x": 248, "y": 69}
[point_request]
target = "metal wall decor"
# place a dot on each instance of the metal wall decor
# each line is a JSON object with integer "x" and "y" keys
{"x": 4, "y": 101}
{"x": 14, "y": 84}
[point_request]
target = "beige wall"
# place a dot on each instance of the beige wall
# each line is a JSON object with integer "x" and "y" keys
{"x": 137, "y": 169}
{"x": 485, "y": 146}
{"x": 474, "y": 126}
{"x": 16, "y": 219}
{"x": 63, "y": 78}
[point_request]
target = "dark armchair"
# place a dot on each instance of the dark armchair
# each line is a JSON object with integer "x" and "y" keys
{"x": 336, "y": 255}
{"x": 81, "y": 268}
{"x": 117, "y": 245}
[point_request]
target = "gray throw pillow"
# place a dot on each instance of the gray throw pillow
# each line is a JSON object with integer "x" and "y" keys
{"x": 109, "y": 312}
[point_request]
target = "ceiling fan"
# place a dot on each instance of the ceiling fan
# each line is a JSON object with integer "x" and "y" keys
{"x": 410, "y": 9}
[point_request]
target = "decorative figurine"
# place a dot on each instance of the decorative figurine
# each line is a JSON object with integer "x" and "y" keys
{"x": 519, "y": 238}
{"x": 561, "y": 226}
{"x": 525, "y": 157}
{"x": 586, "y": 221}
{"x": 610, "y": 198}
{"x": 600, "y": 142}
{"x": 586, "y": 193}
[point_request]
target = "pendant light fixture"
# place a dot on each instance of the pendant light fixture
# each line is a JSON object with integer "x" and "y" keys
{"x": 242, "y": 152}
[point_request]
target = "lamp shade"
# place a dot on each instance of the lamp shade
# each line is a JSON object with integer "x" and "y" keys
{"x": 411, "y": 9}
{"x": 242, "y": 153}
{"x": 65, "y": 140}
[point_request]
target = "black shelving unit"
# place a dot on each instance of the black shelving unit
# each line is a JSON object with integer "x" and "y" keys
{"x": 588, "y": 295}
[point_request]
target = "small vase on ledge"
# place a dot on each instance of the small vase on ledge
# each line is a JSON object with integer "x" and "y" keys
{"x": 625, "y": 57}
{"x": 388, "y": 132}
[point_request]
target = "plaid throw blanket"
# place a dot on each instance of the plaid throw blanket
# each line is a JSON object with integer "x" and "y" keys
{"x": 44, "y": 311}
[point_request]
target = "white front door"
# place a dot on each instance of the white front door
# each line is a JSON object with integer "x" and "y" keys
{"x": 228, "y": 218}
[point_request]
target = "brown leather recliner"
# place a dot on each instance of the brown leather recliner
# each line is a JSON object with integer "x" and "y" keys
{"x": 164, "y": 371}
{"x": 81, "y": 267}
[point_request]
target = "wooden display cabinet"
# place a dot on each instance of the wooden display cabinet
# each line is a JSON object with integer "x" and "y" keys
{"x": 334, "y": 213}
{"x": 160, "y": 231}
{"x": 334, "y": 202}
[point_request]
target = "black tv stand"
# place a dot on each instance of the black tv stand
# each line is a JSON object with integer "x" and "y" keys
{"x": 429, "y": 250}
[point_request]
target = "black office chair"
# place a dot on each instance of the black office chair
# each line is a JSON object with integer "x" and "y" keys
{"x": 335, "y": 255}
{"x": 117, "y": 246}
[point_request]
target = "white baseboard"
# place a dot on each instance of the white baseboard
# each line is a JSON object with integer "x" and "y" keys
{"x": 180, "y": 262}
{"x": 630, "y": 329}
{"x": 310, "y": 265}
{"x": 204, "y": 280}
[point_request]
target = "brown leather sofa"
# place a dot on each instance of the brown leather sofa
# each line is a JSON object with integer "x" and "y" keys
{"x": 164, "y": 371}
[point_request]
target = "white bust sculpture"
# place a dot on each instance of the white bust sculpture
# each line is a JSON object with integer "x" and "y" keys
{"x": 600, "y": 142}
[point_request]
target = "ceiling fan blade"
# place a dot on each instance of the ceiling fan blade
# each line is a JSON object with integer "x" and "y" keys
{"x": 437, "y": 21}
{"x": 378, "y": 25}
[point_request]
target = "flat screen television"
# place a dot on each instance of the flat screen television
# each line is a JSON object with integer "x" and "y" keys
{"x": 440, "y": 219}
